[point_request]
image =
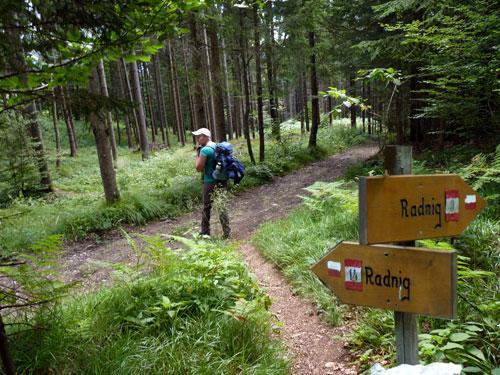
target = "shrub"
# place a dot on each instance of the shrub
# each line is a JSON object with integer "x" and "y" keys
{"x": 194, "y": 311}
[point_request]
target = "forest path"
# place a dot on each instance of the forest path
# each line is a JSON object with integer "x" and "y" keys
{"x": 310, "y": 340}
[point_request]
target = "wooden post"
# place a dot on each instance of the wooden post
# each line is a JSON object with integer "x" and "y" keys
{"x": 398, "y": 160}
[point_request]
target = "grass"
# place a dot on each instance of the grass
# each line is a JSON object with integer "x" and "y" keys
{"x": 196, "y": 312}
{"x": 164, "y": 186}
{"x": 330, "y": 214}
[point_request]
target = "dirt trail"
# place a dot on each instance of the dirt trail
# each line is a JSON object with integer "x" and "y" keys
{"x": 310, "y": 341}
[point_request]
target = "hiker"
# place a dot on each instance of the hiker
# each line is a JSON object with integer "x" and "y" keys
{"x": 205, "y": 162}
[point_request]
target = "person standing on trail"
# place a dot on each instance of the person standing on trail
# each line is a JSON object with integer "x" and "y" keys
{"x": 205, "y": 162}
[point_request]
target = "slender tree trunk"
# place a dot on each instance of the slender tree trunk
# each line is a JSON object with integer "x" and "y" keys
{"x": 230, "y": 130}
{"x": 330, "y": 109}
{"x": 101, "y": 134}
{"x": 370, "y": 111}
{"x": 68, "y": 120}
{"x": 260, "y": 113}
{"x": 141, "y": 118}
{"x": 109, "y": 119}
{"x": 197, "y": 61}
{"x": 273, "y": 102}
{"x": 56, "y": 130}
{"x": 121, "y": 78}
{"x": 217, "y": 81}
{"x": 304, "y": 100}
{"x": 175, "y": 94}
{"x": 157, "y": 79}
{"x": 118, "y": 132}
{"x": 192, "y": 114}
{"x": 363, "y": 113}
{"x": 314, "y": 93}
{"x": 149, "y": 102}
{"x": 130, "y": 93}
{"x": 352, "y": 90}
{"x": 210, "y": 87}
{"x": 238, "y": 106}
{"x": 7, "y": 361}
{"x": 246, "y": 115}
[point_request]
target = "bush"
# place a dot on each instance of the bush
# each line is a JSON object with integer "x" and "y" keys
{"x": 196, "y": 311}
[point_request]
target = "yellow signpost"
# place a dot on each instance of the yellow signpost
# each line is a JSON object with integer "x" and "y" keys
{"x": 407, "y": 279}
{"x": 409, "y": 207}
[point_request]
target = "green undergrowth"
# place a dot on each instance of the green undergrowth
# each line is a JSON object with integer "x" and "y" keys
{"x": 330, "y": 214}
{"x": 163, "y": 187}
{"x": 196, "y": 311}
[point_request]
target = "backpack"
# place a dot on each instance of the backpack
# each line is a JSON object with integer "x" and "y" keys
{"x": 227, "y": 167}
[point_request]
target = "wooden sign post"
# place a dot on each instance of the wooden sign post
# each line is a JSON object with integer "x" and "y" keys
{"x": 398, "y": 160}
{"x": 402, "y": 208}
{"x": 407, "y": 279}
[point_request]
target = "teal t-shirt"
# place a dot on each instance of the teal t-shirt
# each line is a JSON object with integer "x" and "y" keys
{"x": 209, "y": 153}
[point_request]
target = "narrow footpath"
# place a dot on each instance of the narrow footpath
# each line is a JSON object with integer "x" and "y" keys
{"x": 311, "y": 342}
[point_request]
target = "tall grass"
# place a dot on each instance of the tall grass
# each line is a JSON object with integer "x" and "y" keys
{"x": 196, "y": 312}
{"x": 164, "y": 186}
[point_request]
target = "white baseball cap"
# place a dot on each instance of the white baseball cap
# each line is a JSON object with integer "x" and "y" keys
{"x": 203, "y": 131}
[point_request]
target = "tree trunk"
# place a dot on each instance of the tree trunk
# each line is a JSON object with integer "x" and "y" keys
{"x": 130, "y": 94}
{"x": 56, "y": 130}
{"x": 370, "y": 111}
{"x": 217, "y": 81}
{"x": 197, "y": 61}
{"x": 157, "y": 79}
{"x": 68, "y": 120}
{"x": 175, "y": 95}
{"x": 7, "y": 361}
{"x": 124, "y": 94}
{"x": 260, "y": 114}
{"x": 314, "y": 93}
{"x": 101, "y": 134}
{"x": 363, "y": 113}
{"x": 230, "y": 129}
{"x": 192, "y": 114}
{"x": 149, "y": 102}
{"x": 209, "y": 86}
{"x": 304, "y": 100}
{"x": 246, "y": 115}
{"x": 109, "y": 119}
{"x": 141, "y": 118}
{"x": 352, "y": 91}
{"x": 271, "y": 81}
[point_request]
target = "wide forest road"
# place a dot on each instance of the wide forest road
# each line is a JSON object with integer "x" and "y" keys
{"x": 310, "y": 340}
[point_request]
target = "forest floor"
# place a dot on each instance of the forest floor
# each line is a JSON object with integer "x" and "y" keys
{"x": 313, "y": 344}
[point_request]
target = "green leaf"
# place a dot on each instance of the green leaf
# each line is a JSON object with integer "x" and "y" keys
{"x": 472, "y": 369}
{"x": 452, "y": 345}
{"x": 476, "y": 353}
{"x": 472, "y": 328}
{"x": 459, "y": 336}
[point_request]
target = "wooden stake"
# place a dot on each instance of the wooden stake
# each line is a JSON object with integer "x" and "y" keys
{"x": 398, "y": 160}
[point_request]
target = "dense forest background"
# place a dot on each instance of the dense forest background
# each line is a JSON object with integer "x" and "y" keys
{"x": 142, "y": 74}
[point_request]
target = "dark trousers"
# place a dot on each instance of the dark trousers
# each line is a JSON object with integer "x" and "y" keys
{"x": 208, "y": 194}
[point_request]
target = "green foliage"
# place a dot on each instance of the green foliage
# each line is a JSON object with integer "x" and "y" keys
{"x": 18, "y": 173}
{"x": 194, "y": 311}
{"x": 473, "y": 344}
